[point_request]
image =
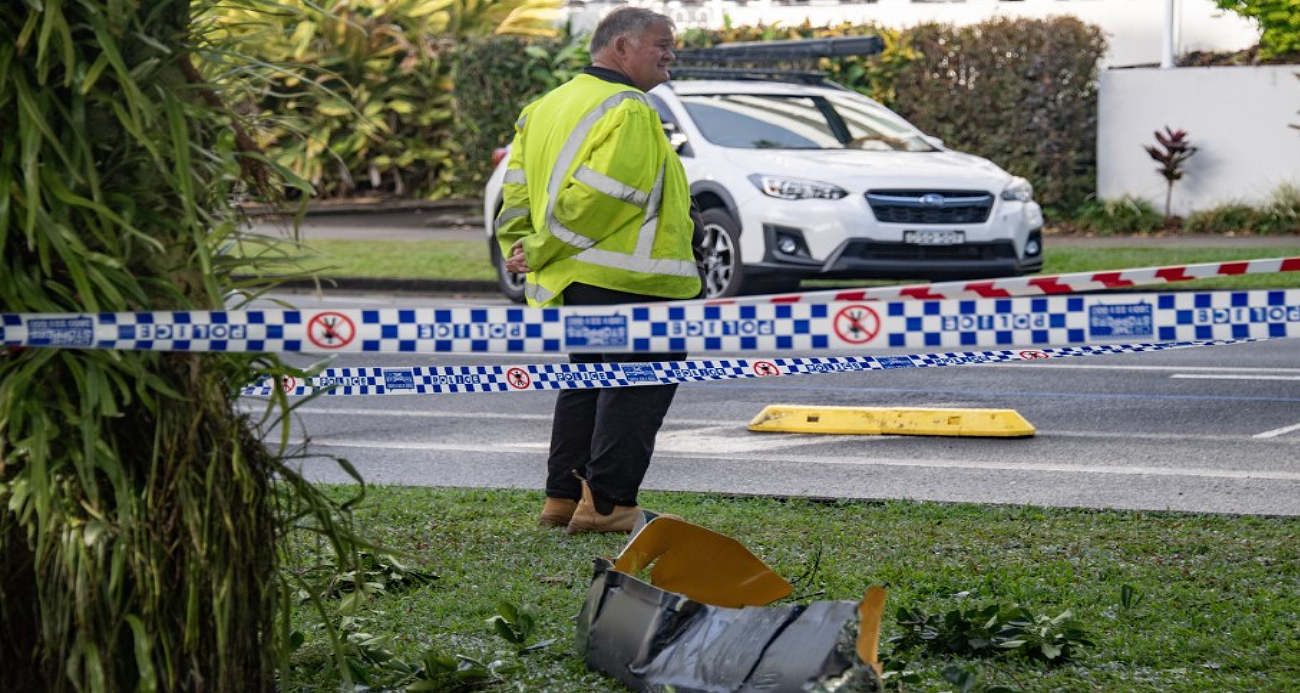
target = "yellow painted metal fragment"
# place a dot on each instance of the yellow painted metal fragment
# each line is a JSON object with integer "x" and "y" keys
{"x": 997, "y": 423}
{"x": 870, "y": 611}
{"x": 704, "y": 565}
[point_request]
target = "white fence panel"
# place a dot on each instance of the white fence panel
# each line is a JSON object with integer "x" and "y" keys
{"x": 1239, "y": 119}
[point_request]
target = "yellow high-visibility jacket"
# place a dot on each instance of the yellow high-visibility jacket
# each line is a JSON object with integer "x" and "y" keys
{"x": 598, "y": 196}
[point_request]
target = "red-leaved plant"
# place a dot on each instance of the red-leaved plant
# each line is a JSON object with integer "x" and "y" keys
{"x": 1174, "y": 151}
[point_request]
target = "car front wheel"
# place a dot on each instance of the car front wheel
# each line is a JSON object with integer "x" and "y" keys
{"x": 723, "y": 272}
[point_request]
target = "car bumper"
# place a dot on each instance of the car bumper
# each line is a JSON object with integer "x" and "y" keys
{"x": 850, "y": 244}
{"x": 868, "y": 259}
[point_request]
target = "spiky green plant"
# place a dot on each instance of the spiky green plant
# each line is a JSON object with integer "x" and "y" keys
{"x": 140, "y": 512}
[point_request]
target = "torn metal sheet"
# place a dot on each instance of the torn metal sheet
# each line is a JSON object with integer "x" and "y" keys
{"x": 700, "y": 563}
{"x": 655, "y": 639}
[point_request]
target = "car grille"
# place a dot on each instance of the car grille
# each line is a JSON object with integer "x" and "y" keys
{"x": 930, "y": 206}
{"x": 877, "y": 250}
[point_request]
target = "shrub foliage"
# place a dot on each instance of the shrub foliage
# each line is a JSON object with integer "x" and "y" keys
{"x": 495, "y": 77}
{"x": 1020, "y": 92}
{"x": 357, "y": 96}
{"x": 1279, "y": 23}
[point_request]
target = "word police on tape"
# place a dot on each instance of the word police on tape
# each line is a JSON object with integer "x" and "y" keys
{"x": 690, "y": 326}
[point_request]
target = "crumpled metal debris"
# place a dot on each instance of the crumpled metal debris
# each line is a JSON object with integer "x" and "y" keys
{"x": 700, "y": 625}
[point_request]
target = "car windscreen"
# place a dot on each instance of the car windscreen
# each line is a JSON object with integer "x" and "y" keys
{"x": 784, "y": 121}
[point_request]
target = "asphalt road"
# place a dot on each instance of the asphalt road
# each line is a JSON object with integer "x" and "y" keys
{"x": 1214, "y": 429}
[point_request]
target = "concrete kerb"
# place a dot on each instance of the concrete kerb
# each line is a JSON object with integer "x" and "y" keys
{"x": 439, "y": 287}
{"x": 453, "y": 207}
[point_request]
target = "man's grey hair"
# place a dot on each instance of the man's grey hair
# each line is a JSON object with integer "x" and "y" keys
{"x": 625, "y": 21}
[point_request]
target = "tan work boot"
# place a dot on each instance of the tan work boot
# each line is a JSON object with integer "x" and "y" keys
{"x": 587, "y": 519}
{"x": 557, "y": 512}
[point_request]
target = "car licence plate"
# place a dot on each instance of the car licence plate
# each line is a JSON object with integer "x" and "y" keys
{"x": 930, "y": 237}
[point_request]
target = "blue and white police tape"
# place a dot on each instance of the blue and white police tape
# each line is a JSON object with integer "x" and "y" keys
{"x": 1036, "y": 285}
{"x": 561, "y": 376}
{"x": 695, "y": 326}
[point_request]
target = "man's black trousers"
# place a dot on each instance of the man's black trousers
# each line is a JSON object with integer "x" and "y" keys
{"x": 606, "y": 434}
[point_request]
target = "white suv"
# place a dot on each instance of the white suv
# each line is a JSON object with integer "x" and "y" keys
{"x": 798, "y": 181}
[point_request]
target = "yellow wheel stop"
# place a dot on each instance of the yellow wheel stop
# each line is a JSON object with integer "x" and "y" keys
{"x": 996, "y": 423}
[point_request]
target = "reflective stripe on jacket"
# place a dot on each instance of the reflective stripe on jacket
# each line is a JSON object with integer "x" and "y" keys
{"x": 598, "y": 195}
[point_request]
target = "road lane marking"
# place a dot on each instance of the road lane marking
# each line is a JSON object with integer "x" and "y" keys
{"x": 1211, "y": 438}
{"x": 427, "y": 414}
{"x": 1277, "y": 432}
{"x": 715, "y": 440}
{"x": 1120, "y": 470}
{"x": 1094, "y": 367}
{"x": 1232, "y": 376}
{"x": 672, "y": 437}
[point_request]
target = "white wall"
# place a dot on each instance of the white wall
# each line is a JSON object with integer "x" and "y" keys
{"x": 1134, "y": 28}
{"x": 1237, "y": 117}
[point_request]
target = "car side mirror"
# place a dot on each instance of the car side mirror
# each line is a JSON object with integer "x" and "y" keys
{"x": 675, "y": 136}
{"x": 934, "y": 141}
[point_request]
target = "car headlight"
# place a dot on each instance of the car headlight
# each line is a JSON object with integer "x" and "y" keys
{"x": 796, "y": 189}
{"x": 1018, "y": 190}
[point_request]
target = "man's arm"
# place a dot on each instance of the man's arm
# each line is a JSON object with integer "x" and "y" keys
{"x": 514, "y": 222}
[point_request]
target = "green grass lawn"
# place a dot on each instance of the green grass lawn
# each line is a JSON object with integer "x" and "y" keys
{"x": 469, "y": 260}
{"x": 448, "y": 259}
{"x": 1173, "y": 602}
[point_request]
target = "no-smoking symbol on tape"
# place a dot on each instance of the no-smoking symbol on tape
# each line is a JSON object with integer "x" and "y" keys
{"x": 857, "y": 324}
{"x": 765, "y": 369}
{"x": 518, "y": 378}
{"x": 330, "y": 330}
{"x": 288, "y": 383}
{"x": 1033, "y": 355}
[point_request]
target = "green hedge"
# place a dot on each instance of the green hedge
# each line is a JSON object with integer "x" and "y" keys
{"x": 1022, "y": 93}
{"x": 1278, "y": 20}
{"x": 357, "y": 96}
{"x": 495, "y": 78}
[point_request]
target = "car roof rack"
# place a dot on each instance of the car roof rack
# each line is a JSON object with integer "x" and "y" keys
{"x": 752, "y": 73}
{"x": 769, "y": 52}
{"x": 771, "y": 60}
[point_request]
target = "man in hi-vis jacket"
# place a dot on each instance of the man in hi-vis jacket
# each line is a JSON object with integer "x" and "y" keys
{"x": 596, "y": 211}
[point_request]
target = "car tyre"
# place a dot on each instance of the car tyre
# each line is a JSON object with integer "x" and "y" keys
{"x": 723, "y": 272}
{"x": 510, "y": 283}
